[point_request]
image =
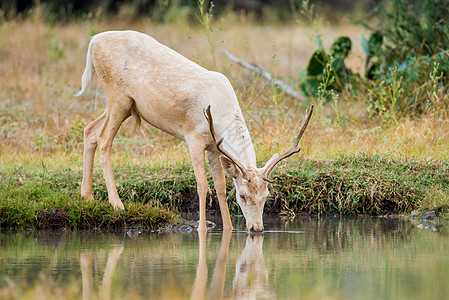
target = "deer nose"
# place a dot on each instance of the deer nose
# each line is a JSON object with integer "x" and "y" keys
{"x": 256, "y": 229}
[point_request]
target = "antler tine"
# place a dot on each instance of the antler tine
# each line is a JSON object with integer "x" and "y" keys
{"x": 268, "y": 179}
{"x": 208, "y": 116}
{"x": 292, "y": 150}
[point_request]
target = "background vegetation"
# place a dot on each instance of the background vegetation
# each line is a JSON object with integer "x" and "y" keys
{"x": 377, "y": 75}
{"x": 162, "y": 10}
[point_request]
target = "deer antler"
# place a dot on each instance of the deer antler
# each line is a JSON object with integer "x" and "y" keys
{"x": 208, "y": 116}
{"x": 269, "y": 168}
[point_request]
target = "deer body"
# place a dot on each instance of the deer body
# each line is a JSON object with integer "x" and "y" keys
{"x": 169, "y": 91}
{"x": 144, "y": 78}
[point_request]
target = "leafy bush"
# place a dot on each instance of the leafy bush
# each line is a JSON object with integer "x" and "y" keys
{"x": 409, "y": 44}
{"x": 410, "y": 29}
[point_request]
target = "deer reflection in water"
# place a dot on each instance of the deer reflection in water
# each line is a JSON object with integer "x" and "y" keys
{"x": 250, "y": 278}
{"x": 251, "y": 275}
{"x": 86, "y": 261}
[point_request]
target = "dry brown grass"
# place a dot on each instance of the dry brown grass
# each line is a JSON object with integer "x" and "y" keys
{"x": 41, "y": 68}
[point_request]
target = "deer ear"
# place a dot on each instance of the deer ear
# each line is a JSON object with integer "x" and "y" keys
{"x": 269, "y": 162}
{"x": 229, "y": 167}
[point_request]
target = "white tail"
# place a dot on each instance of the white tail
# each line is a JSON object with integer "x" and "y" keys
{"x": 144, "y": 78}
{"x": 86, "y": 80}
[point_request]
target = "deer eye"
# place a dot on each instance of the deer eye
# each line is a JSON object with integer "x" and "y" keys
{"x": 243, "y": 198}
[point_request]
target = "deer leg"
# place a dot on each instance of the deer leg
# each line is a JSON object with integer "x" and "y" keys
{"x": 111, "y": 264}
{"x": 220, "y": 188}
{"x": 219, "y": 276}
{"x": 200, "y": 283}
{"x": 199, "y": 168}
{"x": 119, "y": 109}
{"x": 86, "y": 273}
{"x": 90, "y": 145}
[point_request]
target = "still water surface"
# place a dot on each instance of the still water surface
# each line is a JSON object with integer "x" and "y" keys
{"x": 299, "y": 259}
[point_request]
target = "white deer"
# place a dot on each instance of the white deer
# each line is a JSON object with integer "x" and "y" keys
{"x": 150, "y": 81}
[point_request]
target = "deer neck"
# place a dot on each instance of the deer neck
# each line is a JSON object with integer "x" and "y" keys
{"x": 237, "y": 140}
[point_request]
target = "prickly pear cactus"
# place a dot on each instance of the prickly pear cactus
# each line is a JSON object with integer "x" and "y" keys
{"x": 340, "y": 50}
{"x": 341, "y": 47}
{"x": 317, "y": 63}
{"x": 312, "y": 78}
{"x": 372, "y": 48}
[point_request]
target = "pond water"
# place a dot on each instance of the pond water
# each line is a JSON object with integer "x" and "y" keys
{"x": 368, "y": 258}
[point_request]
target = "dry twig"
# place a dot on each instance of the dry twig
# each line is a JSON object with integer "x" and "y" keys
{"x": 259, "y": 70}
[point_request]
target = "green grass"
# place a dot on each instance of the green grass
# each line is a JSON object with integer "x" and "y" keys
{"x": 26, "y": 194}
{"x": 372, "y": 185}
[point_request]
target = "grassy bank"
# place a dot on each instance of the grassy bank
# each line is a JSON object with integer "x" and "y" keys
{"x": 371, "y": 185}
{"x": 42, "y": 198}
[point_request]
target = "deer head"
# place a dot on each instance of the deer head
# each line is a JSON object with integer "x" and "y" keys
{"x": 251, "y": 184}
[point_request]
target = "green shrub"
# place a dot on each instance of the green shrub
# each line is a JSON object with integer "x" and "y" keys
{"x": 409, "y": 29}
{"x": 407, "y": 62}
{"x": 409, "y": 44}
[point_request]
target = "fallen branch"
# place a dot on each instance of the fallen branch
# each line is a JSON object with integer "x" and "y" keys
{"x": 259, "y": 70}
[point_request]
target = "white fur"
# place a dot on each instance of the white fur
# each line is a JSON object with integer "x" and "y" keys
{"x": 88, "y": 74}
{"x": 144, "y": 78}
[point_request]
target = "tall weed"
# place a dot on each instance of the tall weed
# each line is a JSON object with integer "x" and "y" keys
{"x": 206, "y": 18}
